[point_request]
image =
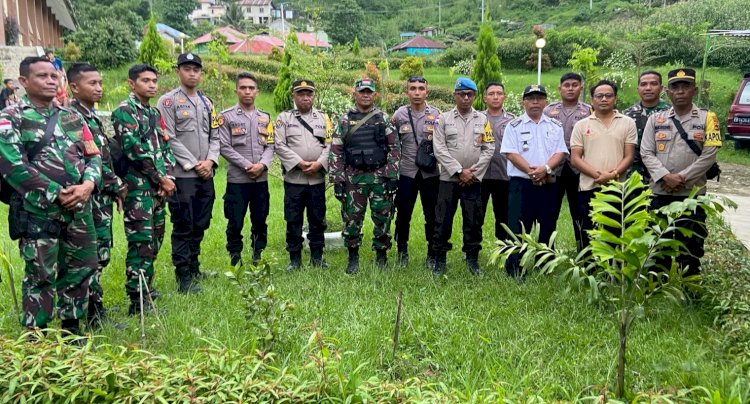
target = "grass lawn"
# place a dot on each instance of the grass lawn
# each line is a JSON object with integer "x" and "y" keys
{"x": 532, "y": 337}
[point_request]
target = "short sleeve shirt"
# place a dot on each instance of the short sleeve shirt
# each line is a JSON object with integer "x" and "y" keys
{"x": 535, "y": 142}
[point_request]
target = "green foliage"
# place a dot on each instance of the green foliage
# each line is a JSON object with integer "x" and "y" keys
{"x": 332, "y": 102}
{"x": 281, "y": 94}
{"x": 620, "y": 267}
{"x": 257, "y": 64}
{"x": 726, "y": 276}
{"x": 355, "y": 47}
{"x": 617, "y": 66}
{"x": 462, "y": 68}
{"x": 583, "y": 61}
{"x": 344, "y": 20}
{"x": 55, "y": 371}
{"x": 487, "y": 64}
{"x": 12, "y": 30}
{"x": 411, "y": 66}
{"x": 175, "y": 13}
{"x": 457, "y": 52}
{"x": 276, "y": 55}
{"x": 131, "y": 13}
{"x": 152, "y": 48}
{"x": 71, "y": 52}
{"x": 263, "y": 310}
{"x": 233, "y": 15}
{"x": 106, "y": 43}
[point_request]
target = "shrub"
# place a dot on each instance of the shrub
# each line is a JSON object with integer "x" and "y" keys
{"x": 107, "y": 43}
{"x": 11, "y": 31}
{"x": 456, "y": 53}
{"x": 462, "y": 68}
{"x": 412, "y": 66}
{"x": 71, "y": 52}
{"x": 152, "y": 48}
{"x": 255, "y": 64}
{"x": 487, "y": 65}
{"x": 275, "y": 55}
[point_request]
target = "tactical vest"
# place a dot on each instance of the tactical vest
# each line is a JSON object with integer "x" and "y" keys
{"x": 366, "y": 149}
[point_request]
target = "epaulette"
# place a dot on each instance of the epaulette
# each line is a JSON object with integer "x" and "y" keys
{"x": 263, "y": 112}
{"x": 556, "y": 122}
{"x": 515, "y": 122}
{"x": 232, "y": 108}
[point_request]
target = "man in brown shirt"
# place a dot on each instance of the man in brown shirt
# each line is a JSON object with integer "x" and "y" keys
{"x": 602, "y": 148}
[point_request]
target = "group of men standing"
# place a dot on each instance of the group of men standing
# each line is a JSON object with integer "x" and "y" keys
{"x": 67, "y": 175}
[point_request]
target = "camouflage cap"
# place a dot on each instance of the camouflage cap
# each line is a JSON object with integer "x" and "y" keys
{"x": 364, "y": 83}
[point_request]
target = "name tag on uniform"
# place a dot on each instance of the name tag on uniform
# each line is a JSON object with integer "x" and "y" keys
{"x": 239, "y": 131}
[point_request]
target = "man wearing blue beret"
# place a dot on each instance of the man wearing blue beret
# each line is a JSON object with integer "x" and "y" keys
{"x": 464, "y": 146}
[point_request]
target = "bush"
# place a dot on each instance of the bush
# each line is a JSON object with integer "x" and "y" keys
{"x": 514, "y": 52}
{"x": 456, "y": 53}
{"x": 71, "y": 52}
{"x": 463, "y": 68}
{"x": 106, "y": 44}
{"x": 54, "y": 371}
{"x": 255, "y": 64}
{"x": 412, "y": 66}
{"x": 152, "y": 48}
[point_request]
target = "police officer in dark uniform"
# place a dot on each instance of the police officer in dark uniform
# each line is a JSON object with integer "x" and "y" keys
{"x": 190, "y": 121}
{"x": 247, "y": 142}
{"x": 415, "y": 124}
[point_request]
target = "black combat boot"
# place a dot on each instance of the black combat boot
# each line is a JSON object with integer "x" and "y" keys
{"x": 403, "y": 255}
{"x": 440, "y": 266}
{"x": 235, "y": 259}
{"x": 96, "y": 315}
{"x": 186, "y": 284}
{"x": 352, "y": 267}
{"x": 72, "y": 328}
{"x": 316, "y": 259}
{"x": 430, "y": 260}
{"x": 295, "y": 261}
{"x": 381, "y": 259}
{"x": 472, "y": 261}
{"x": 257, "y": 256}
{"x": 135, "y": 304}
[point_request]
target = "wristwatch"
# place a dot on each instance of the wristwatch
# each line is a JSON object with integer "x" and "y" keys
{"x": 549, "y": 169}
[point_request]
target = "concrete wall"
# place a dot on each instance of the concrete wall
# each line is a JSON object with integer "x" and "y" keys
{"x": 11, "y": 57}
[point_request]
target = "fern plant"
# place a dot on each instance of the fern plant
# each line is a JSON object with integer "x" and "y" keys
{"x": 623, "y": 264}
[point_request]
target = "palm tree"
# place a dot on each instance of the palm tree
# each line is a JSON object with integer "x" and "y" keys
{"x": 233, "y": 15}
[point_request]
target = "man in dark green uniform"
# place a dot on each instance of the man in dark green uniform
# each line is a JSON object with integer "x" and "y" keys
{"x": 138, "y": 128}
{"x": 86, "y": 86}
{"x": 649, "y": 90}
{"x": 363, "y": 167}
{"x": 49, "y": 157}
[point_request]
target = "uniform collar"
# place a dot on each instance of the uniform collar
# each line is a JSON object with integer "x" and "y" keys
{"x": 240, "y": 111}
{"x": 503, "y": 114}
{"x": 87, "y": 113}
{"x": 313, "y": 112}
{"x": 137, "y": 102}
{"x": 525, "y": 118}
{"x": 693, "y": 111}
{"x": 26, "y": 103}
{"x": 473, "y": 112}
{"x": 596, "y": 118}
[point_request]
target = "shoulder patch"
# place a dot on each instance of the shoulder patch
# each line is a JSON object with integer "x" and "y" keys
{"x": 556, "y": 122}
{"x": 219, "y": 120}
{"x": 713, "y": 132}
{"x": 515, "y": 122}
{"x": 167, "y": 102}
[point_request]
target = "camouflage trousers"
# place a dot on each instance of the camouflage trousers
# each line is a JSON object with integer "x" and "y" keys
{"x": 102, "y": 212}
{"x": 57, "y": 264}
{"x": 353, "y": 210}
{"x": 145, "y": 220}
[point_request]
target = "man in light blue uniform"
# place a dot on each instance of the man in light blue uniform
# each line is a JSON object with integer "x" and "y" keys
{"x": 535, "y": 146}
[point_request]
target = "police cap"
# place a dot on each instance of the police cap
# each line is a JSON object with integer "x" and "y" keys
{"x": 300, "y": 85}
{"x": 188, "y": 58}
{"x": 534, "y": 89}
{"x": 684, "y": 74}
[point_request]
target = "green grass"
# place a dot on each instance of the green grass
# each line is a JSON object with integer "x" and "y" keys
{"x": 532, "y": 337}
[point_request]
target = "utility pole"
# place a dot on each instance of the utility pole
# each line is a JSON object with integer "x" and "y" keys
{"x": 440, "y": 16}
{"x": 482, "y": 10}
{"x": 283, "y": 28}
{"x": 591, "y": 4}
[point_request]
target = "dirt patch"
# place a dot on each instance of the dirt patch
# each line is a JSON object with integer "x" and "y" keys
{"x": 735, "y": 180}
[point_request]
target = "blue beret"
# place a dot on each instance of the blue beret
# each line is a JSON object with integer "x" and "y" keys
{"x": 465, "y": 83}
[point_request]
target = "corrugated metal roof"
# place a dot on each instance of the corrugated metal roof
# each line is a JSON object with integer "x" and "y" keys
{"x": 419, "y": 42}
{"x": 254, "y": 2}
{"x": 231, "y": 34}
{"x": 63, "y": 12}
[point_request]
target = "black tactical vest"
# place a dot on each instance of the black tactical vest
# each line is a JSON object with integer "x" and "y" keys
{"x": 366, "y": 149}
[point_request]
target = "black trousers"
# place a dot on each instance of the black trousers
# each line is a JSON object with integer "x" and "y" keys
{"x": 449, "y": 195}
{"x": 498, "y": 190}
{"x": 584, "y": 211}
{"x": 406, "y": 198}
{"x": 297, "y": 199}
{"x": 529, "y": 203}
{"x": 567, "y": 184}
{"x": 236, "y": 202}
{"x": 694, "y": 244}
{"x": 190, "y": 210}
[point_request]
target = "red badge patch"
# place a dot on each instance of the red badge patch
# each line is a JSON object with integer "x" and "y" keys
{"x": 6, "y": 124}
{"x": 698, "y": 136}
{"x": 661, "y": 120}
{"x": 89, "y": 146}
{"x": 167, "y": 102}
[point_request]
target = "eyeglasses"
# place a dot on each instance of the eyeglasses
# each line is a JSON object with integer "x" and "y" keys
{"x": 416, "y": 79}
{"x": 603, "y": 96}
{"x": 464, "y": 94}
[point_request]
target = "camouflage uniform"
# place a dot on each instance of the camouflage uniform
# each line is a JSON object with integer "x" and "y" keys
{"x": 361, "y": 185}
{"x": 101, "y": 201}
{"x": 640, "y": 115}
{"x": 149, "y": 160}
{"x": 58, "y": 245}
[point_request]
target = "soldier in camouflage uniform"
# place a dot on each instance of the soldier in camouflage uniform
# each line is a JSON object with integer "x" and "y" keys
{"x": 649, "y": 90}
{"x": 86, "y": 86}
{"x": 51, "y": 211}
{"x": 363, "y": 165}
{"x": 145, "y": 148}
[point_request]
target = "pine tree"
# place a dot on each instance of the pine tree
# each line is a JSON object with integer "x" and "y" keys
{"x": 152, "y": 48}
{"x": 355, "y": 46}
{"x": 282, "y": 101}
{"x": 487, "y": 63}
